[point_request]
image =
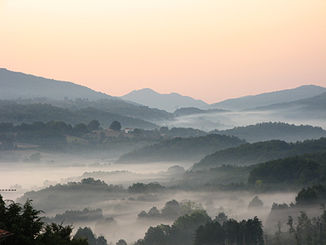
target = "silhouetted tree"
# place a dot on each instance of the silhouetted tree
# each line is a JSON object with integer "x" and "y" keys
{"x": 87, "y": 234}
{"x": 93, "y": 125}
{"x": 256, "y": 203}
{"x": 115, "y": 125}
{"x": 181, "y": 232}
{"x": 121, "y": 242}
{"x": 246, "y": 232}
{"x": 54, "y": 234}
{"x": 221, "y": 218}
{"x": 210, "y": 234}
{"x": 25, "y": 223}
{"x": 80, "y": 128}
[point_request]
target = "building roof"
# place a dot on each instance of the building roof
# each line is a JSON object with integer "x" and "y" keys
{"x": 4, "y": 234}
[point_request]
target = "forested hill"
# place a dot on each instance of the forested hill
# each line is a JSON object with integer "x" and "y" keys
{"x": 107, "y": 105}
{"x": 274, "y": 130}
{"x": 299, "y": 170}
{"x": 182, "y": 149}
{"x": 248, "y": 154}
{"x": 28, "y": 113}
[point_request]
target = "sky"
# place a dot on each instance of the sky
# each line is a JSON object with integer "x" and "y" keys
{"x": 207, "y": 49}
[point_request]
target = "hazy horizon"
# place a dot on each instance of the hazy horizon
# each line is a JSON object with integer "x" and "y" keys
{"x": 203, "y": 49}
{"x": 172, "y": 92}
{"x": 230, "y": 148}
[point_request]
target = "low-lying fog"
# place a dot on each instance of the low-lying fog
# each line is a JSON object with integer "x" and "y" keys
{"x": 226, "y": 120}
{"x": 125, "y": 207}
{"x": 33, "y": 176}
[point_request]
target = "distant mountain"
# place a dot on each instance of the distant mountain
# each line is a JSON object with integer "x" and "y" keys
{"x": 249, "y": 154}
{"x": 169, "y": 102}
{"x": 29, "y": 89}
{"x": 310, "y": 108}
{"x": 274, "y": 131}
{"x": 15, "y": 85}
{"x": 265, "y": 99}
{"x": 182, "y": 149}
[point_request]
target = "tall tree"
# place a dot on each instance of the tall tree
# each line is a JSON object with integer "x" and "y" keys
{"x": 115, "y": 125}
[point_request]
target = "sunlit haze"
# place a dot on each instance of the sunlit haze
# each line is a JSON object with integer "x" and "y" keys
{"x": 210, "y": 50}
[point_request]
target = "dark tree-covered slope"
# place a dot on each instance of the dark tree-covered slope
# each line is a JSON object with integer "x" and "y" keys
{"x": 274, "y": 130}
{"x": 298, "y": 170}
{"x": 249, "y": 154}
{"x": 19, "y": 113}
{"x": 182, "y": 149}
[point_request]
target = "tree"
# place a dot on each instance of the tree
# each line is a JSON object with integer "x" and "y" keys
{"x": 246, "y": 232}
{"x": 232, "y": 231}
{"x": 101, "y": 241}
{"x": 115, "y": 125}
{"x": 158, "y": 235}
{"x": 171, "y": 209}
{"x": 256, "y": 203}
{"x": 221, "y": 218}
{"x": 311, "y": 195}
{"x": 54, "y": 234}
{"x": 80, "y": 128}
{"x": 143, "y": 214}
{"x": 87, "y": 233}
{"x": 142, "y": 188}
{"x": 93, "y": 125}
{"x": 181, "y": 232}
{"x": 25, "y": 223}
{"x": 154, "y": 212}
{"x": 164, "y": 130}
{"x": 210, "y": 234}
{"x": 121, "y": 242}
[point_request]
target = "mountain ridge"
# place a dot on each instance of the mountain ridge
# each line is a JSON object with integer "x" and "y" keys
{"x": 29, "y": 89}
{"x": 169, "y": 102}
{"x": 16, "y": 85}
{"x": 275, "y": 97}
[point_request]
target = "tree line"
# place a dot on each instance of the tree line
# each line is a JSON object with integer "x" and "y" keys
{"x": 198, "y": 228}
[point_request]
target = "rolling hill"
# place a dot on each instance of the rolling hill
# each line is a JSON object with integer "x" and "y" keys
{"x": 306, "y": 169}
{"x": 181, "y": 149}
{"x": 249, "y": 154}
{"x": 28, "y": 113}
{"x": 114, "y": 106}
{"x": 274, "y": 131}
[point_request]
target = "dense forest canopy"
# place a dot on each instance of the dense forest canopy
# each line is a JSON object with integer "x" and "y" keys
{"x": 298, "y": 170}
{"x": 182, "y": 149}
{"x": 249, "y": 154}
{"x": 29, "y": 113}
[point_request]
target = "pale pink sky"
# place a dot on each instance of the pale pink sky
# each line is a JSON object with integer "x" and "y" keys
{"x": 208, "y": 49}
